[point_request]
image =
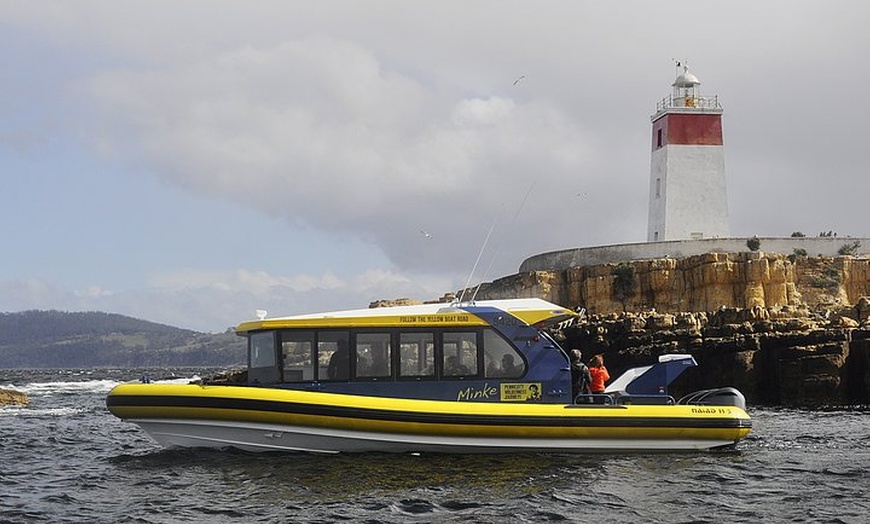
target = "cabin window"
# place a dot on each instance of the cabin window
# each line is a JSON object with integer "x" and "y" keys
{"x": 459, "y": 354}
{"x": 416, "y": 355}
{"x": 263, "y": 350}
{"x": 333, "y": 356}
{"x": 262, "y": 358}
{"x": 298, "y": 349}
{"x": 373, "y": 355}
{"x": 500, "y": 358}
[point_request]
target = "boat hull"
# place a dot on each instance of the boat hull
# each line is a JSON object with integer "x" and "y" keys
{"x": 274, "y": 419}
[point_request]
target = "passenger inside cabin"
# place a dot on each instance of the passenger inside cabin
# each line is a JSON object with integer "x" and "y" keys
{"x": 363, "y": 364}
{"x": 380, "y": 366}
{"x": 339, "y": 363}
{"x": 453, "y": 368}
{"x": 491, "y": 366}
{"x": 508, "y": 368}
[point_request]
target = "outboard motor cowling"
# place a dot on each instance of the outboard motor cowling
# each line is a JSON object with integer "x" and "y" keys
{"x": 716, "y": 397}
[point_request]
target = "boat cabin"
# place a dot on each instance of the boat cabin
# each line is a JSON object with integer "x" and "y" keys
{"x": 485, "y": 351}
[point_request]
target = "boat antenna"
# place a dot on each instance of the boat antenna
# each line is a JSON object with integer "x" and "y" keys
{"x": 479, "y": 255}
{"x": 498, "y": 250}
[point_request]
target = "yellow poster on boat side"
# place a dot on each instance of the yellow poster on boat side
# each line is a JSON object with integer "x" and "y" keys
{"x": 525, "y": 392}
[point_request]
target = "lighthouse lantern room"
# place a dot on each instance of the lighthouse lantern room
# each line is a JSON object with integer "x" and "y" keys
{"x": 687, "y": 198}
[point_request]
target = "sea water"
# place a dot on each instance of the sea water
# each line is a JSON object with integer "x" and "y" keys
{"x": 65, "y": 458}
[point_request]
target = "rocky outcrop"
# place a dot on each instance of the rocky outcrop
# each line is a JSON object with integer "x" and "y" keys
{"x": 549, "y": 285}
{"x": 697, "y": 283}
{"x": 396, "y": 302}
{"x": 9, "y": 397}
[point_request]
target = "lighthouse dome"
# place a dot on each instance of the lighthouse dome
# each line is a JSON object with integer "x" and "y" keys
{"x": 686, "y": 79}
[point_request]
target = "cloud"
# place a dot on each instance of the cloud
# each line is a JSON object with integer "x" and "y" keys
{"x": 319, "y": 133}
{"x": 94, "y": 292}
{"x": 32, "y": 293}
{"x": 254, "y": 281}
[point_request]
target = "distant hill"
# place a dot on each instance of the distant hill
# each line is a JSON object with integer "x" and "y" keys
{"x": 58, "y": 339}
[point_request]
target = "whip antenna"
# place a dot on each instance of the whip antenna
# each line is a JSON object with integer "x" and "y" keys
{"x": 479, "y": 255}
{"x": 495, "y": 255}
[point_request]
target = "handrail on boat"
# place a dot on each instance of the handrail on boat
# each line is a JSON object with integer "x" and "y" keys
{"x": 593, "y": 398}
{"x": 646, "y": 399}
{"x": 623, "y": 399}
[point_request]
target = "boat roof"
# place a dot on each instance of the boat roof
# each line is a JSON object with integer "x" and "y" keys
{"x": 531, "y": 311}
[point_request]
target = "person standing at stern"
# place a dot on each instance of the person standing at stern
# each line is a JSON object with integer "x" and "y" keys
{"x": 580, "y": 376}
{"x": 599, "y": 374}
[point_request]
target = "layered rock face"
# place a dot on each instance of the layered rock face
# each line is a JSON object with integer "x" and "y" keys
{"x": 783, "y": 329}
{"x": 698, "y": 283}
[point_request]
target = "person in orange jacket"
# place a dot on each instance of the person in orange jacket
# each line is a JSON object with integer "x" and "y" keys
{"x": 599, "y": 374}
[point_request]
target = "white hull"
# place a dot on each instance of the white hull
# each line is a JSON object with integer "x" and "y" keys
{"x": 251, "y": 436}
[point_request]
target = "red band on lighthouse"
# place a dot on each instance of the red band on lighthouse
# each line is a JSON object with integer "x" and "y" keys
{"x": 687, "y": 129}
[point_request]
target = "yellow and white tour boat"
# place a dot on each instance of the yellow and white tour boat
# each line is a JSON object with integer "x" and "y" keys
{"x": 482, "y": 377}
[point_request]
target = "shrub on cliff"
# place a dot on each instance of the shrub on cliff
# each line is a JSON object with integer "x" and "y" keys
{"x": 753, "y": 244}
{"x": 849, "y": 249}
{"x": 829, "y": 279}
{"x": 624, "y": 282}
{"x": 798, "y": 253}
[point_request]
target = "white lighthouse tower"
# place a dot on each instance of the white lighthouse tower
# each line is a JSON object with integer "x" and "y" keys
{"x": 687, "y": 198}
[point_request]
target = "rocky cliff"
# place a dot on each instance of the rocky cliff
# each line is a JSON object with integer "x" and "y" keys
{"x": 697, "y": 283}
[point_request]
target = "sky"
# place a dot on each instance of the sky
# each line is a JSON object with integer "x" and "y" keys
{"x": 190, "y": 162}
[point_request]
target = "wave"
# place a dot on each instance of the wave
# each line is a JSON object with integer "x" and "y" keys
{"x": 24, "y": 411}
{"x": 170, "y": 380}
{"x": 38, "y": 389}
{"x": 98, "y": 386}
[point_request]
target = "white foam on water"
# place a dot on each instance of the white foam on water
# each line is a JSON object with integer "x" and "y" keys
{"x": 36, "y": 389}
{"x": 70, "y": 387}
{"x": 169, "y": 380}
{"x": 180, "y": 380}
{"x": 24, "y": 411}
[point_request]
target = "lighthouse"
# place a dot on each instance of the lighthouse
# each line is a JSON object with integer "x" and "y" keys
{"x": 687, "y": 198}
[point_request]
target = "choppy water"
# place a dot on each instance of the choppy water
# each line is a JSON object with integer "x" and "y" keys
{"x": 64, "y": 458}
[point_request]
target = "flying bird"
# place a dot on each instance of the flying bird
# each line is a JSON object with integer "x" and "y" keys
{"x": 517, "y": 81}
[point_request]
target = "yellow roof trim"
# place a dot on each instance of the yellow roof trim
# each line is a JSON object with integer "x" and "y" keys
{"x": 531, "y": 311}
